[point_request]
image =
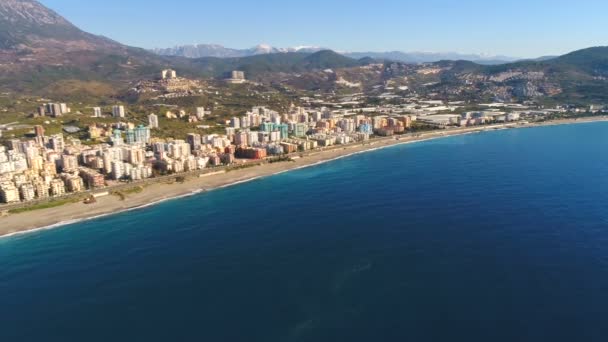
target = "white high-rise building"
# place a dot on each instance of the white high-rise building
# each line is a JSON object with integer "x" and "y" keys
{"x": 55, "y": 110}
{"x": 245, "y": 122}
{"x": 200, "y": 113}
{"x": 153, "y": 120}
{"x": 64, "y": 108}
{"x": 57, "y": 143}
{"x": 118, "y": 169}
{"x": 238, "y": 75}
{"x": 235, "y": 122}
{"x": 253, "y": 138}
{"x": 118, "y": 111}
{"x": 9, "y": 193}
{"x": 27, "y": 192}
{"x": 97, "y": 112}
{"x": 168, "y": 74}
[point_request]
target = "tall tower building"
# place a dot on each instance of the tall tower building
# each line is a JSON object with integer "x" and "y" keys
{"x": 200, "y": 113}
{"x": 118, "y": 111}
{"x": 168, "y": 74}
{"x": 56, "y": 110}
{"x": 153, "y": 120}
{"x": 194, "y": 140}
{"x": 57, "y": 143}
{"x": 39, "y": 130}
{"x": 142, "y": 134}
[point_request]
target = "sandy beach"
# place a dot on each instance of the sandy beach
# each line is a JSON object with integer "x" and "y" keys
{"x": 157, "y": 192}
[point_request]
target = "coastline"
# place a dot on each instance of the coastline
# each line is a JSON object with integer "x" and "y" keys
{"x": 44, "y": 219}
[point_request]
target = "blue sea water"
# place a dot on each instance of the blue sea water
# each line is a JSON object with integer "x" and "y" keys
{"x": 498, "y": 236}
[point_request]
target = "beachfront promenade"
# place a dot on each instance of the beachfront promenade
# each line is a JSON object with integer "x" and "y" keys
{"x": 167, "y": 187}
{"x": 246, "y": 163}
{"x": 254, "y": 163}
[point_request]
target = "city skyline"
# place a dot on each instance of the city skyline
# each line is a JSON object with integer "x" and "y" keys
{"x": 517, "y": 29}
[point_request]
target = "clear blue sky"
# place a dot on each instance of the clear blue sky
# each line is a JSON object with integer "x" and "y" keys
{"x": 521, "y": 28}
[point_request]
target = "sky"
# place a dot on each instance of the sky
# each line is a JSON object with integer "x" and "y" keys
{"x": 517, "y": 28}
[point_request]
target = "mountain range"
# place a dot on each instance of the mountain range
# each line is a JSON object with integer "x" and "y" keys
{"x": 215, "y": 50}
{"x": 219, "y": 51}
{"x": 43, "y": 53}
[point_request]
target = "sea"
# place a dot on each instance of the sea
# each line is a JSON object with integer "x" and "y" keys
{"x": 495, "y": 236}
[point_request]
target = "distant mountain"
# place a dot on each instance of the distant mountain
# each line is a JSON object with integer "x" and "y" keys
{"x": 200, "y": 51}
{"x": 430, "y": 57}
{"x": 214, "y": 50}
{"x": 28, "y": 24}
{"x": 577, "y": 77}
{"x": 544, "y": 58}
{"x": 40, "y": 52}
{"x": 43, "y": 53}
{"x": 266, "y": 49}
{"x": 592, "y": 60}
{"x": 589, "y": 63}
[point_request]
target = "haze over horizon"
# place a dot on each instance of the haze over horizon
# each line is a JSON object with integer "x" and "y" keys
{"x": 525, "y": 29}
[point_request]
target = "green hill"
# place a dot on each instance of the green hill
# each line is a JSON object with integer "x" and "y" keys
{"x": 293, "y": 62}
{"x": 592, "y": 60}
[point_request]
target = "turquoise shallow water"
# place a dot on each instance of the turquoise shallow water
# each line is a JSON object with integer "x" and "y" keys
{"x": 499, "y": 236}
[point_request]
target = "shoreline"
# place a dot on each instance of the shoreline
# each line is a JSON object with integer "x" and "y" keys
{"x": 157, "y": 193}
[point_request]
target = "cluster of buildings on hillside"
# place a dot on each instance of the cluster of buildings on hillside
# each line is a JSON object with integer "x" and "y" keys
{"x": 56, "y": 110}
{"x": 181, "y": 114}
{"x": 237, "y": 77}
{"x": 53, "y": 110}
{"x": 169, "y": 85}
